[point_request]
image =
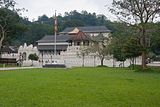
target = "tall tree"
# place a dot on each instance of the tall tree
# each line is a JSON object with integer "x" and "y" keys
{"x": 155, "y": 38}
{"x": 9, "y": 4}
{"x": 83, "y": 52}
{"x": 117, "y": 49}
{"x": 9, "y": 20}
{"x": 132, "y": 49}
{"x": 139, "y": 13}
{"x": 100, "y": 47}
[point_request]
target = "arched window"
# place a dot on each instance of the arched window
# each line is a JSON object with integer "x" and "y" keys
{"x": 24, "y": 56}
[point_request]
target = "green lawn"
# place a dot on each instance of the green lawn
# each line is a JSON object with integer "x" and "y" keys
{"x": 79, "y": 87}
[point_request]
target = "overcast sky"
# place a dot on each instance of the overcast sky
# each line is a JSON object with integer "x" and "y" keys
{"x": 40, "y": 7}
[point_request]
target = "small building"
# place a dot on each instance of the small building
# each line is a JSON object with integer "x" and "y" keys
{"x": 24, "y": 51}
{"x": 9, "y": 52}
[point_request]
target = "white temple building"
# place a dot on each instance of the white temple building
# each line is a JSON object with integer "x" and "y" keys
{"x": 68, "y": 45}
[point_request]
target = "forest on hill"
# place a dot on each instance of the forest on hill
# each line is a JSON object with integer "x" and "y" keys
{"x": 44, "y": 25}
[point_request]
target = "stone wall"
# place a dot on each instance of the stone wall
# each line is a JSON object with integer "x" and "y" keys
{"x": 71, "y": 59}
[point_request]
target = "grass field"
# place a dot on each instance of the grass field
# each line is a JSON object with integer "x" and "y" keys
{"x": 79, "y": 87}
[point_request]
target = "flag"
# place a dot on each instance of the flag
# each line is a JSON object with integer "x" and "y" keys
{"x": 55, "y": 24}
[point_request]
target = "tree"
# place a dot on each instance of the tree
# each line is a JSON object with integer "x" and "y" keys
{"x": 119, "y": 54}
{"x": 83, "y": 52}
{"x": 155, "y": 38}
{"x": 36, "y": 31}
{"x": 139, "y": 13}
{"x": 9, "y": 20}
{"x": 33, "y": 57}
{"x": 73, "y": 23}
{"x": 132, "y": 49}
{"x": 9, "y": 4}
{"x": 117, "y": 49}
{"x": 100, "y": 47}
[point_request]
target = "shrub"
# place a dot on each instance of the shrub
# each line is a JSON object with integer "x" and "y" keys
{"x": 33, "y": 57}
{"x": 138, "y": 68}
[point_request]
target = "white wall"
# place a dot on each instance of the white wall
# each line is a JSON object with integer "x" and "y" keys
{"x": 72, "y": 59}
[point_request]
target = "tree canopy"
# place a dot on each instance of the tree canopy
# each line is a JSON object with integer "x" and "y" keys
{"x": 33, "y": 57}
{"x": 138, "y": 13}
{"x": 10, "y": 24}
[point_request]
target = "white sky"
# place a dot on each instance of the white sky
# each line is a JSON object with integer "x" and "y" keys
{"x": 40, "y": 7}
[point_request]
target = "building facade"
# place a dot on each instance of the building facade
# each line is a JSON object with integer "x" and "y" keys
{"x": 68, "y": 47}
{"x": 68, "y": 42}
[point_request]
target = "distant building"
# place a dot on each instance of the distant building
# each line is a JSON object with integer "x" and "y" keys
{"x": 9, "y": 52}
{"x": 68, "y": 44}
{"x": 73, "y": 36}
{"x": 46, "y": 44}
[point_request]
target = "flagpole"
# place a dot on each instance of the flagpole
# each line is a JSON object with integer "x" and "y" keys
{"x": 55, "y": 33}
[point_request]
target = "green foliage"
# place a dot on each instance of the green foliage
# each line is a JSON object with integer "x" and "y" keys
{"x": 117, "y": 47}
{"x": 8, "y": 4}
{"x": 73, "y": 23}
{"x": 155, "y": 37}
{"x": 100, "y": 47}
{"x": 155, "y": 58}
{"x": 10, "y": 24}
{"x": 121, "y": 35}
{"x": 44, "y": 25}
{"x": 33, "y": 57}
{"x": 119, "y": 53}
{"x": 149, "y": 69}
{"x": 44, "y": 19}
{"x": 138, "y": 13}
{"x": 36, "y": 32}
{"x": 125, "y": 43}
{"x": 79, "y": 87}
{"x": 133, "y": 48}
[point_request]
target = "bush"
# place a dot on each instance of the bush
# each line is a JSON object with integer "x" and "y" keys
{"x": 33, "y": 57}
{"x": 138, "y": 68}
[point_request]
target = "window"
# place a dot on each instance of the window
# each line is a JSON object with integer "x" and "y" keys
{"x": 78, "y": 43}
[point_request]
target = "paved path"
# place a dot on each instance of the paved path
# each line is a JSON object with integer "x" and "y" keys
{"x": 15, "y": 68}
{"x": 154, "y": 64}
